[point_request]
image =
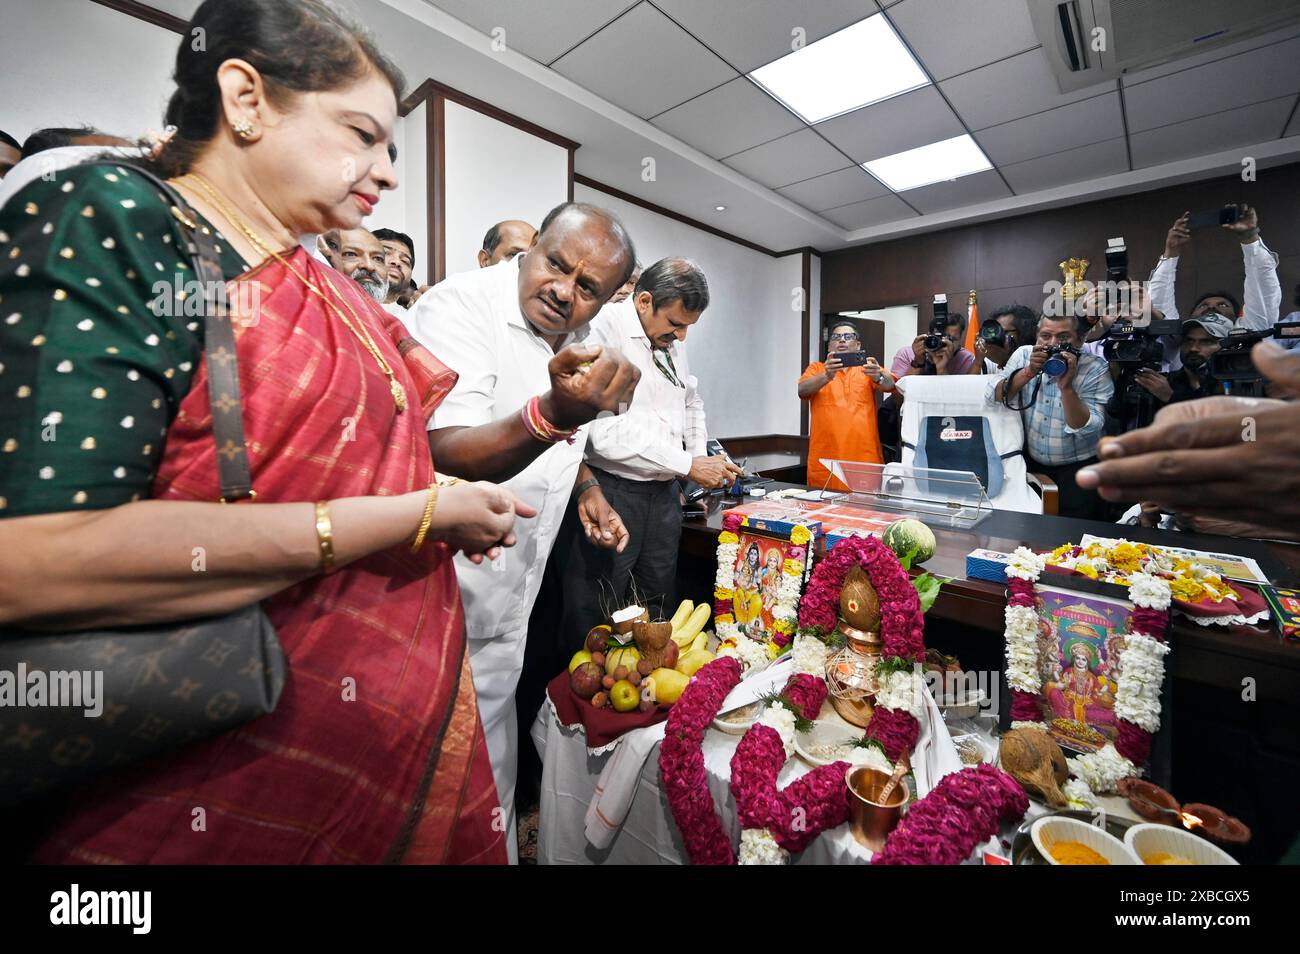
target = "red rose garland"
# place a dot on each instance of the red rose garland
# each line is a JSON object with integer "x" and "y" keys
{"x": 964, "y": 810}
{"x": 681, "y": 763}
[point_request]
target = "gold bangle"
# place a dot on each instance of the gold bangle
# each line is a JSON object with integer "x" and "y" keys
{"x": 325, "y": 536}
{"x": 426, "y": 519}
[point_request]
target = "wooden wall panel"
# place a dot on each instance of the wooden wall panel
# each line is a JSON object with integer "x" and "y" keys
{"x": 1008, "y": 260}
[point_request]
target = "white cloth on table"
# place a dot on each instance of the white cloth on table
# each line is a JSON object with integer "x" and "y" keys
{"x": 648, "y": 834}
{"x": 618, "y": 782}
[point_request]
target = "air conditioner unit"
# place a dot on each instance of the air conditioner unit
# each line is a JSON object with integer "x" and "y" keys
{"x": 1091, "y": 41}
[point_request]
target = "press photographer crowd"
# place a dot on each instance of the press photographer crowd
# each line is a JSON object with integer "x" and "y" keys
{"x": 315, "y": 550}
{"x": 1091, "y": 361}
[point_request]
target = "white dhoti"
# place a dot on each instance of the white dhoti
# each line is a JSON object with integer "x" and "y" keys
{"x": 496, "y": 665}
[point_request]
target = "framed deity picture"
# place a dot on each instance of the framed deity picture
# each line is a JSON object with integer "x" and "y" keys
{"x": 761, "y": 575}
{"x": 1081, "y": 636}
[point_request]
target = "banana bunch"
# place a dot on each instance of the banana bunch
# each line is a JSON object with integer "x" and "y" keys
{"x": 688, "y": 633}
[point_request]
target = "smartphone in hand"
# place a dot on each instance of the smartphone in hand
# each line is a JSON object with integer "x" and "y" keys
{"x": 852, "y": 359}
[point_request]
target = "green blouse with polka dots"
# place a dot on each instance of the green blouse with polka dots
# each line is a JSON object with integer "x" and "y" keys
{"x": 100, "y": 338}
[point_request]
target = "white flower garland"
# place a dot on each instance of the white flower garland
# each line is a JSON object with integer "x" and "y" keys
{"x": 903, "y": 690}
{"x": 809, "y": 656}
{"x": 727, "y": 554}
{"x": 1142, "y": 673}
{"x": 759, "y": 847}
{"x": 1022, "y": 648}
{"x": 1151, "y": 592}
{"x": 749, "y": 652}
{"x": 1102, "y": 770}
{"x": 871, "y": 757}
{"x": 781, "y": 719}
{"x": 1025, "y": 564}
{"x": 787, "y": 596}
{"x": 1142, "y": 670}
{"x": 1079, "y": 794}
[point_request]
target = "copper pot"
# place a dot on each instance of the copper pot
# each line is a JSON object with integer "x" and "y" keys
{"x": 870, "y": 820}
{"x": 851, "y": 679}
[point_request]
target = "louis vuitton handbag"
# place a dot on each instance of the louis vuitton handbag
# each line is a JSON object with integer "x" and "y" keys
{"x": 76, "y": 704}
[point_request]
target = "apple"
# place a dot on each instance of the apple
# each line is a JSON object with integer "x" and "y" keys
{"x": 586, "y": 679}
{"x": 624, "y": 696}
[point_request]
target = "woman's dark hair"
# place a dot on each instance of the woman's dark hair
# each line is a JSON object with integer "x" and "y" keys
{"x": 675, "y": 279}
{"x": 298, "y": 46}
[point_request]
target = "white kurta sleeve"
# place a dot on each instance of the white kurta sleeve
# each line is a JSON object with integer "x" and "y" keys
{"x": 452, "y": 325}
{"x": 1262, "y": 299}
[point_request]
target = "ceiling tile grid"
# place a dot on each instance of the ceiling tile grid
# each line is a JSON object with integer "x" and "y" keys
{"x": 681, "y": 65}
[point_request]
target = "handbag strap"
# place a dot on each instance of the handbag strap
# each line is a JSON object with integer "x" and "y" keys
{"x": 218, "y": 347}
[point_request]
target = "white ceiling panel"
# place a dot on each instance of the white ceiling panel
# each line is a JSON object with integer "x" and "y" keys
{"x": 860, "y": 215}
{"x": 751, "y": 33}
{"x": 540, "y": 30}
{"x": 1238, "y": 81}
{"x": 644, "y": 63}
{"x": 790, "y": 159}
{"x": 1073, "y": 165}
{"x": 951, "y": 38}
{"x": 1010, "y": 89}
{"x": 903, "y": 122}
{"x": 1196, "y": 137}
{"x": 834, "y": 189}
{"x": 968, "y": 190}
{"x": 1210, "y": 56}
{"x": 1042, "y": 134}
{"x": 729, "y": 119}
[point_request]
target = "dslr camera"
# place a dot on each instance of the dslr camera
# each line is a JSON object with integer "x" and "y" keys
{"x": 992, "y": 332}
{"x": 936, "y": 340}
{"x": 1055, "y": 365}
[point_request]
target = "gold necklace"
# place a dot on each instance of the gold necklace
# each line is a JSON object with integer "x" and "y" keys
{"x": 358, "y": 329}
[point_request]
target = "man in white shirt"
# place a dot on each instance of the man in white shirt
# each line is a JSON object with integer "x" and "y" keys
{"x": 1262, "y": 298}
{"x": 515, "y": 416}
{"x": 638, "y": 458}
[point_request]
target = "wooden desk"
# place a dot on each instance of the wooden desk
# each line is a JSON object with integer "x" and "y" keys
{"x": 1219, "y": 656}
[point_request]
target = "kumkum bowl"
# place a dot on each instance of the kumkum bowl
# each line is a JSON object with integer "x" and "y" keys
{"x": 870, "y": 819}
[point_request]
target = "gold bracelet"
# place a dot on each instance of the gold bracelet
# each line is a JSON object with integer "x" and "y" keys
{"x": 325, "y": 536}
{"x": 426, "y": 519}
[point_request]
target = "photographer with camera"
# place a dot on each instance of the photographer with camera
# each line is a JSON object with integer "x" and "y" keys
{"x": 939, "y": 351}
{"x": 1202, "y": 338}
{"x": 1061, "y": 394}
{"x": 841, "y": 395}
{"x": 1000, "y": 334}
{"x": 1262, "y": 297}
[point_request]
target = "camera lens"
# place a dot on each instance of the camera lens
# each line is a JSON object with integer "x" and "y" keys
{"x": 935, "y": 342}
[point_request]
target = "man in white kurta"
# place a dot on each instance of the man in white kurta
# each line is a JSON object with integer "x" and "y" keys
{"x": 500, "y": 329}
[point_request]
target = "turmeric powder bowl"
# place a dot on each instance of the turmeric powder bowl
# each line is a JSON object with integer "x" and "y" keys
{"x": 1068, "y": 841}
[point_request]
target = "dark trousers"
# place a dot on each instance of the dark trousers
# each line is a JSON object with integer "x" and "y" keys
{"x": 598, "y": 582}
{"x": 1074, "y": 500}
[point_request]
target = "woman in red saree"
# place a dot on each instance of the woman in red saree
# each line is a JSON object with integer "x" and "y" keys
{"x": 375, "y": 752}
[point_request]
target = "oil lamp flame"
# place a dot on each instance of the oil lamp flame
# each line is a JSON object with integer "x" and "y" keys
{"x": 1190, "y": 821}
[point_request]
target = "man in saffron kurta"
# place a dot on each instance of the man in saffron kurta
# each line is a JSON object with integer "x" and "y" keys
{"x": 843, "y": 407}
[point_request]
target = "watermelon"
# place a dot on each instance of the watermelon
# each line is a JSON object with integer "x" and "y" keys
{"x": 910, "y": 536}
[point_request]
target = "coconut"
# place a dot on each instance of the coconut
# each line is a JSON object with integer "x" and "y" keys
{"x": 1033, "y": 759}
{"x": 625, "y": 617}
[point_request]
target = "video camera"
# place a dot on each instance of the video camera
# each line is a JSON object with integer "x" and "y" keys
{"x": 1133, "y": 342}
{"x": 1232, "y": 362}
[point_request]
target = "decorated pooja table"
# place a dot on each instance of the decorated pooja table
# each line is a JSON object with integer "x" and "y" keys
{"x": 804, "y": 726}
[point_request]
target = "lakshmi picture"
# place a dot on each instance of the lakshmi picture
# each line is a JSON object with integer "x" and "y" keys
{"x": 757, "y": 581}
{"x": 1080, "y": 639}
